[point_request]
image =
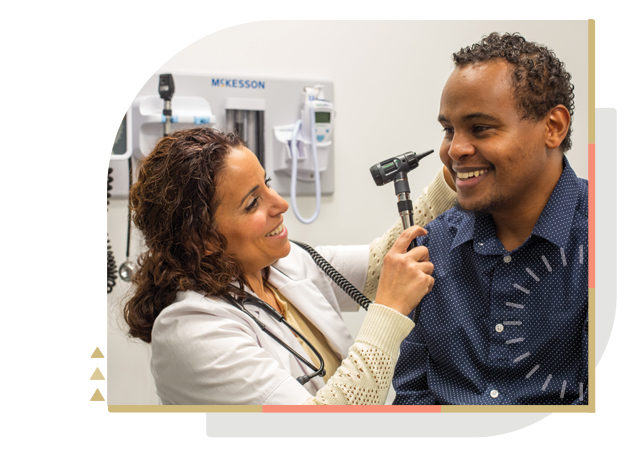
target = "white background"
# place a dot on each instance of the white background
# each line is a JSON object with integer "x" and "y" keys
{"x": 69, "y": 72}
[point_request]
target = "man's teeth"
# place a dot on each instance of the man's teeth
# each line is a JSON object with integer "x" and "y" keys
{"x": 476, "y": 173}
{"x": 276, "y": 231}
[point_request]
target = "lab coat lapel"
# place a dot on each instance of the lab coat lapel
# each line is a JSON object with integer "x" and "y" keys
{"x": 289, "y": 362}
{"x": 305, "y": 296}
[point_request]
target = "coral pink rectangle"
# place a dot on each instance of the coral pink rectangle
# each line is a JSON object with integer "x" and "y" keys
{"x": 591, "y": 215}
{"x": 352, "y": 409}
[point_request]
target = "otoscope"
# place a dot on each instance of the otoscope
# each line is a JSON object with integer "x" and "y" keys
{"x": 166, "y": 90}
{"x": 396, "y": 169}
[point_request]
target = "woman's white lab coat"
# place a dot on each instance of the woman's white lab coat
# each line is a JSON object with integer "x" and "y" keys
{"x": 205, "y": 351}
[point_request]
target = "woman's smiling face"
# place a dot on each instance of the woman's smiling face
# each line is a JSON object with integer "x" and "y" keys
{"x": 249, "y": 214}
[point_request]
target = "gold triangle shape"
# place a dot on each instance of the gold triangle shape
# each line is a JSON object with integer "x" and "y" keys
{"x": 97, "y": 354}
{"x": 97, "y": 375}
{"x": 97, "y": 397}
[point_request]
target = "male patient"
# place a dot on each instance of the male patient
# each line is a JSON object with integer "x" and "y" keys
{"x": 506, "y": 321}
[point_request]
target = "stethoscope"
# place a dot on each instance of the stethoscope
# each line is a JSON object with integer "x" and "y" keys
{"x": 239, "y": 303}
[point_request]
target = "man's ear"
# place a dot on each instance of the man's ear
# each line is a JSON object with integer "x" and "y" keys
{"x": 557, "y": 124}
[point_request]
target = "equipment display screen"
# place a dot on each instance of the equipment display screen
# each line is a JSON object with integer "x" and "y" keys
{"x": 120, "y": 143}
{"x": 322, "y": 117}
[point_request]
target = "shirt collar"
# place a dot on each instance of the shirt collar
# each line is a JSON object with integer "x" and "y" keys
{"x": 554, "y": 223}
{"x": 465, "y": 229}
{"x": 556, "y": 220}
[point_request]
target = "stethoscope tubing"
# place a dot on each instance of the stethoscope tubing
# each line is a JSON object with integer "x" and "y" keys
{"x": 239, "y": 303}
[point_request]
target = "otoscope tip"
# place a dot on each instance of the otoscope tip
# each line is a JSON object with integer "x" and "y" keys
{"x": 422, "y": 155}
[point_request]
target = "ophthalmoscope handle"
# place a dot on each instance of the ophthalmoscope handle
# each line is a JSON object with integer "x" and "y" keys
{"x": 405, "y": 205}
{"x": 166, "y": 89}
{"x": 396, "y": 169}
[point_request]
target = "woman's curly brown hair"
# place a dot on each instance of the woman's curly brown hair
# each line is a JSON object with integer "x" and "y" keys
{"x": 540, "y": 79}
{"x": 173, "y": 203}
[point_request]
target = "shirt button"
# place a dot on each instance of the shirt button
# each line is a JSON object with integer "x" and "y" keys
{"x": 507, "y": 259}
{"x": 494, "y": 393}
{"x": 499, "y": 327}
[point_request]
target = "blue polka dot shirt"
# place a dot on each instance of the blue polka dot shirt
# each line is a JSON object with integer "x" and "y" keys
{"x": 499, "y": 327}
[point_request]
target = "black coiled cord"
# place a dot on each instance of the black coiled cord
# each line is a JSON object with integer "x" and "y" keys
{"x": 339, "y": 279}
{"x": 111, "y": 262}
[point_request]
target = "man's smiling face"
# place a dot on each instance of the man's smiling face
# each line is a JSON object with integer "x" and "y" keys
{"x": 495, "y": 157}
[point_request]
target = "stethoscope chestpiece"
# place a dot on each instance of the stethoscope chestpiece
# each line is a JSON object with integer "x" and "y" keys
{"x": 126, "y": 270}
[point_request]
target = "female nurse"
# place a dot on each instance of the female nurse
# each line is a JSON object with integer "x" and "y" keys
{"x": 214, "y": 234}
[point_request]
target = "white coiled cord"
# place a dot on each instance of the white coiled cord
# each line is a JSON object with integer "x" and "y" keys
{"x": 294, "y": 162}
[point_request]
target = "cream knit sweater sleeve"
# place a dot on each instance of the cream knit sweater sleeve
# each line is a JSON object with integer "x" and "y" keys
{"x": 436, "y": 198}
{"x": 364, "y": 376}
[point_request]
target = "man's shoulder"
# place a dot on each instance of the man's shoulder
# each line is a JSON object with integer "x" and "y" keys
{"x": 450, "y": 217}
{"x": 445, "y": 226}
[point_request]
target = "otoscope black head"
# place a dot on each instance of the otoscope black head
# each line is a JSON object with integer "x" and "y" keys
{"x": 386, "y": 171}
{"x": 376, "y": 175}
{"x": 166, "y": 87}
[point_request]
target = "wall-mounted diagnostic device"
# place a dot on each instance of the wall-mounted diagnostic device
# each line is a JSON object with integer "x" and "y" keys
{"x": 287, "y": 123}
{"x": 263, "y": 111}
{"x": 304, "y": 148}
{"x": 166, "y": 90}
{"x": 322, "y": 121}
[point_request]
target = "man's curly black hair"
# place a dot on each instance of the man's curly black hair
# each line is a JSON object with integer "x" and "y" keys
{"x": 540, "y": 79}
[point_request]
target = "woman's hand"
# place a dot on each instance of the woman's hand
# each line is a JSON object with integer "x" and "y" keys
{"x": 406, "y": 276}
